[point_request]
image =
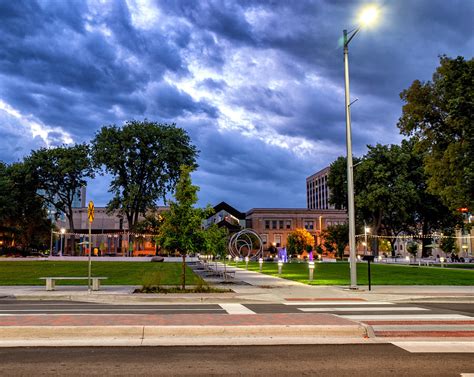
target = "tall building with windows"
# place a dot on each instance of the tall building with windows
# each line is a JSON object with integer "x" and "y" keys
{"x": 317, "y": 191}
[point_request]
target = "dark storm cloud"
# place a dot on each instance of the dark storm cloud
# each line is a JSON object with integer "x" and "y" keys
{"x": 167, "y": 101}
{"x": 246, "y": 171}
{"x": 250, "y": 80}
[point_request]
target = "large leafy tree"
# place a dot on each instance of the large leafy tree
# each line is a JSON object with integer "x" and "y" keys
{"x": 336, "y": 237}
{"x": 180, "y": 230}
{"x": 60, "y": 173}
{"x": 299, "y": 240}
{"x": 440, "y": 115}
{"x": 337, "y": 182}
{"x": 23, "y": 218}
{"x": 391, "y": 193}
{"x": 144, "y": 159}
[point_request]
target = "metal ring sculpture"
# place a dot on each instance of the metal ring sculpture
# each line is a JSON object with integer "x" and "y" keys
{"x": 243, "y": 240}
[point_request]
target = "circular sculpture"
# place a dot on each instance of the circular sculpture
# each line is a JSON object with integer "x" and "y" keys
{"x": 246, "y": 243}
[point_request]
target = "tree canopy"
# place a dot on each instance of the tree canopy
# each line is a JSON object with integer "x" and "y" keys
{"x": 144, "y": 159}
{"x": 23, "y": 218}
{"x": 439, "y": 114}
{"x": 60, "y": 173}
{"x": 298, "y": 240}
{"x": 336, "y": 237}
{"x": 390, "y": 192}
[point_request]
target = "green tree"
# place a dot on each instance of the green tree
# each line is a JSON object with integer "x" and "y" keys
{"x": 391, "y": 194}
{"x": 23, "y": 218}
{"x": 337, "y": 182}
{"x": 180, "y": 230}
{"x": 215, "y": 241}
{"x": 440, "y": 115}
{"x": 60, "y": 173}
{"x": 412, "y": 248}
{"x": 336, "y": 237}
{"x": 144, "y": 159}
{"x": 448, "y": 244}
{"x": 298, "y": 240}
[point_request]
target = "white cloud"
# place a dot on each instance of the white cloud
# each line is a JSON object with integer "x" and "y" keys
{"x": 33, "y": 127}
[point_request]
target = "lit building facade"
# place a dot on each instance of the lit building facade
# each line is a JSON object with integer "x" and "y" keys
{"x": 275, "y": 224}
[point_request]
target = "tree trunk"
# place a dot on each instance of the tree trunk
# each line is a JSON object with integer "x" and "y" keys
{"x": 183, "y": 273}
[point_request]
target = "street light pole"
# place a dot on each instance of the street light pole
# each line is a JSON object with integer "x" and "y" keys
{"x": 350, "y": 182}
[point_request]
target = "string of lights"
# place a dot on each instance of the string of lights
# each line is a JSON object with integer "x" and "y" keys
{"x": 125, "y": 234}
{"x": 415, "y": 236}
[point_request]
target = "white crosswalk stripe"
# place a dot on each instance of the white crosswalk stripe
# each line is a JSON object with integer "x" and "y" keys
{"x": 363, "y": 309}
{"x": 236, "y": 309}
{"x": 437, "y": 347}
{"x": 338, "y": 303}
{"x": 382, "y": 317}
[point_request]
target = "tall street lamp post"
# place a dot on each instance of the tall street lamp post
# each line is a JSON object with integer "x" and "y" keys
{"x": 367, "y": 16}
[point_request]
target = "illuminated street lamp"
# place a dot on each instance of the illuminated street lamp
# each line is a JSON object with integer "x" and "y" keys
{"x": 247, "y": 262}
{"x": 311, "y": 270}
{"x": 366, "y": 230}
{"x": 63, "y": 231}
{"x": 366, "y": 17}
{"x": 280, "y": 265}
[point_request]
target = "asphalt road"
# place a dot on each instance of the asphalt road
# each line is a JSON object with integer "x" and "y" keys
{"x": 11, "y": 307}
{"x": 314, "y": 360}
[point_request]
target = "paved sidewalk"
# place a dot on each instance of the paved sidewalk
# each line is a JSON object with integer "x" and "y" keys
{"x": 256, "y": 287}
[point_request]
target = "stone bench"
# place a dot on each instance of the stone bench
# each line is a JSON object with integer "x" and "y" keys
{"x": 51, "y": 281}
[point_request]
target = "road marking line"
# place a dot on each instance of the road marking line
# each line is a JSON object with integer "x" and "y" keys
{"x": 436, "y": 347}
{"x": 423, "y": 327}
{"x": 467, "y": 374}
{"x": 373, "y": 309}
{"x": 383, "y": 317}
{"x": 298, "y": 303}
{"x": 34, "y": 311}
{"x": 236, "y": 309}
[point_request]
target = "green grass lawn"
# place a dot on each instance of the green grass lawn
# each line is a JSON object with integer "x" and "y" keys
{"x": 338, "y": 274}
{"x": 118, "y": 273}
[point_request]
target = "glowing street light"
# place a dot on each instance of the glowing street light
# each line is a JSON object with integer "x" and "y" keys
{"x": 63, "y": 232}
{"x": 367, "y": 16}
{"x": 366, "y": 230}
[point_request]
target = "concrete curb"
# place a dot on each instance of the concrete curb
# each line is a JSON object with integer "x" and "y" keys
{"x": 20, "y": 336}
{"x": 132, "y": 299}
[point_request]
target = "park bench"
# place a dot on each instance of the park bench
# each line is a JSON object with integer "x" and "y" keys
{"x": 51, "y": 281}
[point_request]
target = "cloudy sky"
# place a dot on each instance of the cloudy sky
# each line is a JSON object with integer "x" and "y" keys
{"x": 258, "y": 84}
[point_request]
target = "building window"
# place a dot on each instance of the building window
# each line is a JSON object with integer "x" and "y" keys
{"x": 264, "y": 238}
{"x": 281, "y": 222}
{"x": 309, "y": 225}
{"x": 274, "y": 224}
{"x": 277, "y": 240}
{"x": 267, "y": 224}
{"x": 288, "y": 224}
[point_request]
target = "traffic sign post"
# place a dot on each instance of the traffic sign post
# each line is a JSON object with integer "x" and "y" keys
{"x": 90, "y": 215}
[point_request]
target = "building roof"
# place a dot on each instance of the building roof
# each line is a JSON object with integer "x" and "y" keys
{"x": 318, "y": 173}
{"x": 229, "y": 209}
{"x": 297, "y": 211}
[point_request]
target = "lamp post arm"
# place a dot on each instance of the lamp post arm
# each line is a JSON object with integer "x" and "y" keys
{"x": 348, "y": 36}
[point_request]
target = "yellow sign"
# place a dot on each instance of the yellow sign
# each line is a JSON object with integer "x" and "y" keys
{"x": 90, "y": 211}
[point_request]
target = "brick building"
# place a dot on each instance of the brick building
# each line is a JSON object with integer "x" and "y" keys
{"x": 274, "y": 224}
